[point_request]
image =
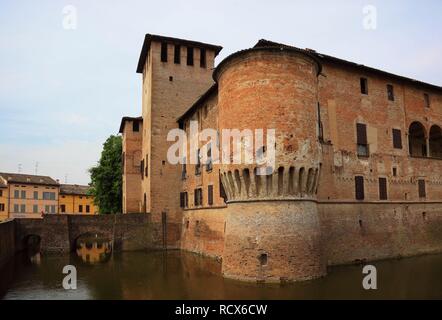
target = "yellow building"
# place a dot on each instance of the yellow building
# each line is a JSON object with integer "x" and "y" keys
{"x": 74, "y": 199}
{"x": 28, "y": 196}
{"x": 3, "y": 200}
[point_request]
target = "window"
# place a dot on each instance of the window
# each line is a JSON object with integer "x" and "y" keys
{"x": 422, "y": 191}
{"x": 88, "y": 209}
{"x": 80, "y": 208}
{"x": 202, "y": 58}
{"x": 183, "y": 200}
{"x": 63, "y": 208}
{"x": 16, "y": 208}
{"x": 35, "y": 195}
{"x": 163, "y": 52}
{"x": 383, "y": 189}
{"x": 189, "y": 56}
{"x": 35, "y": 208}
{"x": 53, "y": 209}
{"x": 146, "y": 169}
{"x": 23, "y": 194}
{"x": 184, "y": 170}
{"x": 390, "y": 92}
{"x": 394, "y": 171}
{"x": 22, "y": 208}
{"x": 364, "y": 86}
{"x": 361, "y": 136}
{"x": 1, "y": 193}
{"x": 209, "y": 158}
{"x": 16, "y": 194}
{"x": 142, "y": 169}
{"x": 198, "y": 164}
{"x": 198, "y": 197}
{"x": 427, "y": 100}
{"x": 222, "y": 192}
{"x": 210, "y": 195}
{"x": 2, "y": 207}
{"x": 135, "y": 126}
{"x": 359, "y": 187}
{"x": 46, "y": 209}
{"x": 48, "y": 195}
{"x": 397, "y": 139}
{"x": 177, "y": 54}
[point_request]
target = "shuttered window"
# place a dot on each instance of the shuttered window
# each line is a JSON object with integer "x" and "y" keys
{"x": 198, "y": 197}
{"x": 383, "y": 189}
{"x": 361, "y": 137}
{"x": 183, "y": 199}
{"x": 397, "y": 139}
{"x": 359, "y": 187}
{"x": 210, "y": 194}
{"x": 422, "y": 191}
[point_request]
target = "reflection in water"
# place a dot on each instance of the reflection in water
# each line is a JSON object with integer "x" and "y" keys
{"x": 93, "y": 250}
{"x": 181, "y": 275}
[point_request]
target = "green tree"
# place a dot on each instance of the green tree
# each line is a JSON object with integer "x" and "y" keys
{"x": 106, "y": 177}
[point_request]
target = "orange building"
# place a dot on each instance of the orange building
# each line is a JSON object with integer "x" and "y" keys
{"x": 28, "y": 196}
{"x": 3, "y": 200}
{"x": 74, "y": 199}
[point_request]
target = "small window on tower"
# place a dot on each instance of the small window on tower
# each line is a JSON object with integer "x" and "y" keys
{"x": 397, "y": 139}
{"x": 383, "y": 189}
{"x": 203, "y": 58}
{"x": 135, "y": 126}
{"x": 362, "y": 142}
{"x": 189, "y": 56}
{"x": 364, "y": 86}
{"x": 427, "y": 100}
{"x": 390, "y": 92}
{"x": 163, "y": 52}
{"x": 422, "y": 191}
{"x": 359, "y": 188}
{"x": 177, "y": 54}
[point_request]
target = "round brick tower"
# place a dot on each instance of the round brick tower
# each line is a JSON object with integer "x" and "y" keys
{"x": 272, "y": 228}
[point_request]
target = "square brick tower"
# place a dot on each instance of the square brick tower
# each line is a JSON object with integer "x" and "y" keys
{"x": 176, "y": 73}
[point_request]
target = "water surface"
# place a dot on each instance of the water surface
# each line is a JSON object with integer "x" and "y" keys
{"x": 182, "y": 275}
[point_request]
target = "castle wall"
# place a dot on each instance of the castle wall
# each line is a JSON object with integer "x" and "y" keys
{"x": 372, "y": 231}
{"x": 203, "y": 231}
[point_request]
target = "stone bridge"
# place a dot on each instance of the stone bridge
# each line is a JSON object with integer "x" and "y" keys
{"x": 58, "y": 233}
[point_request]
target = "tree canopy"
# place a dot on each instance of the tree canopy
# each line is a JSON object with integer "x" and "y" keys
{"x": 106, "y": 177}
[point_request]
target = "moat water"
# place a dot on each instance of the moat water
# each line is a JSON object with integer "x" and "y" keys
{"x": 182, "y": 275}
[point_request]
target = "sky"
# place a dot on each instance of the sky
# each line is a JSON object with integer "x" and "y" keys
{"x": 63, "y": 90}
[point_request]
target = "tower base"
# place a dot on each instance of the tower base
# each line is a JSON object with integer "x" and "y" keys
{"x": 272, "y": 241}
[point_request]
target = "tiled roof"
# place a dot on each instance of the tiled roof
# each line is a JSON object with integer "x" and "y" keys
{"x": 326, "y": 58}
{"x": 153, "y": 37}
{"x": 124, "y": 119}
{"x": 74, "y": 189}
{"x": 28, "y": 179}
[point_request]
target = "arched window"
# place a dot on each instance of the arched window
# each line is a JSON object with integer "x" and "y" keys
{"x": 417, "y": 140}
{"x": 435, "y": 142}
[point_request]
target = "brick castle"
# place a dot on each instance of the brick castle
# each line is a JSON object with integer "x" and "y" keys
{"x": 358, "y": 159}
